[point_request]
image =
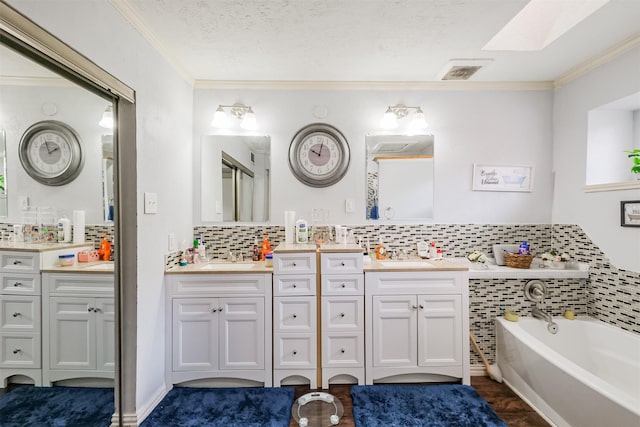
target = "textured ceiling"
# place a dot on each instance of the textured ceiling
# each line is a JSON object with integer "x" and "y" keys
{"x": 362, "y": 40}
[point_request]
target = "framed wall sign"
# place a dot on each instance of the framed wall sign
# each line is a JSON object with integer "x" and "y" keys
{"x": 502, "y": 178}
{"x": 630, "y": 213}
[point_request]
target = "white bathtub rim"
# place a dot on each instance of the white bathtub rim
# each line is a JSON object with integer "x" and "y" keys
{"x": 577, "y": 372}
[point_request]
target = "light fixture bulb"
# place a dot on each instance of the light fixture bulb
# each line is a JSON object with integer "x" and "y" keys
{"x": 107, "y": 118}
{"x": 249, "y": 121}
{"x": 220, "y": 119}
{"x": 390, "y": 120}
{"x": 418, "y": 121}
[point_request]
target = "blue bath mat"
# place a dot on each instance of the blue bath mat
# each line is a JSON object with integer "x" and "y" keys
{"x": 421, "y": 405}
{"x": 247, "y": 407}
{"x": 56, "y": 407}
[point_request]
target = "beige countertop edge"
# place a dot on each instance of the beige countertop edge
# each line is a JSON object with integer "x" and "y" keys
{"x": 81, "y": 267}
{"x": 376, "y": 267}
{"x": 41, "y": 247}
{"x": 325, "y": 248}
{"x": 259, "y": 268}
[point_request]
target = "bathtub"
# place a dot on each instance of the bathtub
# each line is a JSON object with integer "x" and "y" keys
{"x": 587, "y": 375}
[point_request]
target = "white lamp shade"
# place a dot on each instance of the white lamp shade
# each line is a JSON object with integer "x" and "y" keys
{"x": 390, "y": 120}
{"x": 220, "y": 119}
{"x": 249, "y": 121}
{"x": 418, "y": 121}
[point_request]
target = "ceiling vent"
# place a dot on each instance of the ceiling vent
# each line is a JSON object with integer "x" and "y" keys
{"x": 462, "y": 69}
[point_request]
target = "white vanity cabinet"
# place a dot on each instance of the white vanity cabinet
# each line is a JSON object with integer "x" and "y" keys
{"x": 220, "y": 327}
{"x": 342, "y": 326}
{"x": 294, "y": 316}
{"x": 417, "y": 326}
{"x": 79, "y": 326}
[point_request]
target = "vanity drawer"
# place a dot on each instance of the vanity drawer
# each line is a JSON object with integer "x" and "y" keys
{"x": 294, "y": 351}
{"x": 19, "y": 314}
{"x": 343, "y": 284}
{"x": 20, "y": 284}
{"x": 415, "y": 282}
{"x": 341, "y": 263}
{"x": 294, "y": 314}
{"x": 218, "y": 284}
{"x": 342, "y": 314}
{"x": 343, "y": 350}
{"x": 21, "y": 262}
{"x": 20, "y": 350}
{"x": 76, "y": 284}
{"x": 294, "y": 263}
{"x": 291, "y": 285}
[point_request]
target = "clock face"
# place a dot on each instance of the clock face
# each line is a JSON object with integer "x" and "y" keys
{"x": 50, "y": 153}
{"x": 319, "y": 155}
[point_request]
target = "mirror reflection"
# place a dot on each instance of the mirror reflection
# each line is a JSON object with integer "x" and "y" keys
{"x": 399, "y": 177}
{"x": 235, "y": 178}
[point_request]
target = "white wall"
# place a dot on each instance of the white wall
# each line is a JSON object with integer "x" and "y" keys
{"x": 22, "y": 106}
{"x": 164, "y": 126}
{"x": 501, "y": 127}
{"x": 597, "y": 213}
{"x": 610, "y": 132}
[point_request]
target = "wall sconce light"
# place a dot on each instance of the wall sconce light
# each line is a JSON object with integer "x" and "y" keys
{"x": 237, "y": 110}
{"x": 107, "y": 118}
{"x": 399, "y": 111}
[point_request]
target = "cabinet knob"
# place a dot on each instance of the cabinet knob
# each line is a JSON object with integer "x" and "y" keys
{"x": 421, "y": 307}
{"x": 295, "y": 286}
{"x": 342, "y": 350}
{"x": 342, "y": 263}
{"x": 90, "y": 309}
{"x": 294, "y": 315}
{"x": 214, "y": 310}
{"x": 16, "y": 314}
{"x": 220, "y": 309}
{"x": 17, "y": 262}
{"x": 415, "y": 307}
{"x": 17, "y": 284}
{"x": 341, "y": 314}
{"x": 295, "y": 352}
{"x": 343, "y": 286}
{"x": 16, "y": 351}
{"x": 97, "y": 310}
{"x": 294, "y": 264}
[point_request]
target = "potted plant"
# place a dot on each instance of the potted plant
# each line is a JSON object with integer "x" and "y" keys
{"x": 635, "y": 156}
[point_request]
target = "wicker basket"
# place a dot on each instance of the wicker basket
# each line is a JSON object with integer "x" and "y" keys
{"x": 517, "y": 260}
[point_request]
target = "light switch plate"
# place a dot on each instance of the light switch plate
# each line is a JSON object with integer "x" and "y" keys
{"x": 348, "y": 205}
{"x": 150, "y": 203}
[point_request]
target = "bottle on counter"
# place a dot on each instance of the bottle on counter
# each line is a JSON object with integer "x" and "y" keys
{"x": 256, "y": 252}
{"x": 104, "y": 253}
{"x": 524, "y": 248}
{"x": 381, "y": 252}
{"x": 433, "y": 251}
{"x": 266, "y": 246}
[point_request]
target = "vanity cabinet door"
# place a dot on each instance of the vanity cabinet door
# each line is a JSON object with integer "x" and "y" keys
{"x": 105, "y": 334}
{"x": 72, "y": 338}
{"x": 395, "y": 331}
{"x": 195, "y": 334}
{"x": 241, "y": 333}
{"x": 439, "y": 330}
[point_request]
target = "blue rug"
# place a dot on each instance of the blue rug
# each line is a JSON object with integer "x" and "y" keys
{"x": 422, "y": 405}
{"x": 247, "y": 407}
{"x": 56, "y": 407}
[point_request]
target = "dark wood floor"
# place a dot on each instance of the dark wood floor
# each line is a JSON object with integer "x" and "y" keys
{"x": 513, "y": 410}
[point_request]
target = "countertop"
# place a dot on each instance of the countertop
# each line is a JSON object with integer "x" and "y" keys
{"x": 311, "y": 247}
{"x": 413, "y": 264}
{"x": 99, "y": 267}
{"x": 218, "y": 267}
{"x": 574, "y": 270}
{"x": 40, "y": 247}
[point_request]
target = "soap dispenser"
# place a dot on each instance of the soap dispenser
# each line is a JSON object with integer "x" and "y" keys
{"x": 266, "y": 246}
{"x": 381, "y": 252}
{"x": 104, "y": 253}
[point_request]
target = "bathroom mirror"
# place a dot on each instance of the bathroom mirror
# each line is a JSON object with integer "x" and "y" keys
{"x": 399, "y": 177}
{"x": 235, "y": 178}
{"x": 3, "y": 176}
{"x": 30, "y": 94}
{"x": 613, "y": 128}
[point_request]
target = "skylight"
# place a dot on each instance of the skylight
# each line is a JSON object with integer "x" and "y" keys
{"x": 541, "y": 22}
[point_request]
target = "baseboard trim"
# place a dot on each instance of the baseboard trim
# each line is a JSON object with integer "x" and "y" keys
{"x": 144, "y": 410}
{"x": 477, "y": 371}
{"x": 128, "y": 420}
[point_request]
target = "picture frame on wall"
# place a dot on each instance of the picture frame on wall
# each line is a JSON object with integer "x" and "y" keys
{"x": 502, "y": 177}
{"x": 630, "y": 213}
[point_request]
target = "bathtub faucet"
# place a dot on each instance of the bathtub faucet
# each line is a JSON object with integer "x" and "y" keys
{"x": 540, "y": 314}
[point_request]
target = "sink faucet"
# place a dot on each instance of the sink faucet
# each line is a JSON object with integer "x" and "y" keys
{"x": 540, "y": 314}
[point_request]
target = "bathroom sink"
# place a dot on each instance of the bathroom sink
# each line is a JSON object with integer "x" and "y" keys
{"x": 222, "y": 266}
{"x": 100, "y": 267}
{"x": 406, "y": 264}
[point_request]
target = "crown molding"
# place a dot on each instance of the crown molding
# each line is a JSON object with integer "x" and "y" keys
{"x": 373, "y": 85}
{"x": 123, "y": 7}
{"x": 593, "y": 63}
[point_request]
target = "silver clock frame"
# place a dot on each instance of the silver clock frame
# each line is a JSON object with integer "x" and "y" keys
{"x": 294, "y": 159}
{"x": 74, "y": 167}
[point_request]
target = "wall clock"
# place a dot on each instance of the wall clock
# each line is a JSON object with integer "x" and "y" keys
{"x": 51, "y": 152}
{"x": 319, "y": 155}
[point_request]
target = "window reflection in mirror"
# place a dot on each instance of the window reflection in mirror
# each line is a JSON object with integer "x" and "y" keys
{"x": 235, "y": 178}
{"x": 3, "y": 174}
{"x": 613, "y": 129}
{"x": 399, "y": 177}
